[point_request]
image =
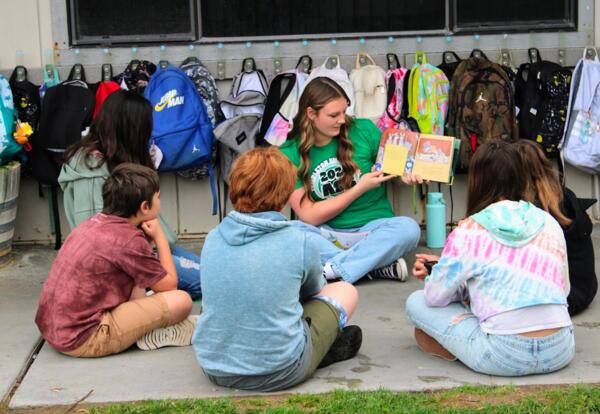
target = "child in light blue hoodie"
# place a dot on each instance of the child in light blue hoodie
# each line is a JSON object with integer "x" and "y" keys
{"x": 269, "y": 319}
{"x": 497, "y": 298}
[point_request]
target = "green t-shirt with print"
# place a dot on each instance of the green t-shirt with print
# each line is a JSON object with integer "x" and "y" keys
{"x": 326, "y": 171}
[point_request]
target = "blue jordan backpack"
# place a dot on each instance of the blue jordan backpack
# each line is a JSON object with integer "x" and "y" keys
{"x": 182, "y": 135}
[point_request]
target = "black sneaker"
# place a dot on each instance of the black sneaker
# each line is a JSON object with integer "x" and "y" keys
{"x": 345, "y": 346}
{"x": 395, "y": 271}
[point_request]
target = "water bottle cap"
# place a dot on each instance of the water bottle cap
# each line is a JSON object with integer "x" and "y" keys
{"x": 435, "y": 198}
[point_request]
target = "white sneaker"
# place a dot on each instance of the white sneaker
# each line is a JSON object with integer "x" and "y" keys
{"x": 395, "y": 271}
{"x": 179, "y": 334}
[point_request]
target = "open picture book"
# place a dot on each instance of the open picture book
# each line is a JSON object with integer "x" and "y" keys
{"x": 433, "y": 157}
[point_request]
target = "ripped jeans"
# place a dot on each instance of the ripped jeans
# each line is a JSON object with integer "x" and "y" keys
{"x": 187, "y": 265}
{"x": 458, "y": 330}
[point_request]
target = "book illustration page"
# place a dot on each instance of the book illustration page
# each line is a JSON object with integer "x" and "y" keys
{"x": 397, "y": 163}
{"x": 433, "y": 158}
{"x": 394, "y": 159}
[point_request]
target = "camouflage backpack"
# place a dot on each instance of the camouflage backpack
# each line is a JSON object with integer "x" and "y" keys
{"x": 482, "y": 106}
{"x": 207, "y": 86}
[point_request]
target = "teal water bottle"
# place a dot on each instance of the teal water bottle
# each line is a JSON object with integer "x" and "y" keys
{"x": 435, "y": 212}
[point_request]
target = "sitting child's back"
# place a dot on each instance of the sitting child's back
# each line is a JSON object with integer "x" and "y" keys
{"x": 95, "y": 271}
{"x": 94, "y": 302}
{"x": 269, "y": 319}
{"x": 263, "y": 262}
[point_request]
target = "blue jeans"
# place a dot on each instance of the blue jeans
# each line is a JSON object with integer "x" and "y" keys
{"x": 458, "y": 330}
{"x": 187, "y": 265}
{"x": 387, "y": 240}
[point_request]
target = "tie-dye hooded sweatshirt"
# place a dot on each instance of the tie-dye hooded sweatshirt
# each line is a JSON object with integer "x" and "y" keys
{"x": 508, "y": 256}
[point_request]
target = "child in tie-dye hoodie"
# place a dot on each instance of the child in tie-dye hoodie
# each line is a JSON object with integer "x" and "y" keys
{"x": 496, "y": 300}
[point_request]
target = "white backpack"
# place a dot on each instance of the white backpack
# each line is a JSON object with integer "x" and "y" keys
{"x": 370, "y": 91}
{"x": 331, "y": 69}
{"x": 282, "y": 106}
{"x": 248, "y": 92}
{"x": 581, "y": 140}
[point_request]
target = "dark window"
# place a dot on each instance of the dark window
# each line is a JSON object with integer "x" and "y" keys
{"x": 514, "y": 14}
{"x": 130, "y": 21}
{"x": 97, "y": 22}
{"x": 247, "y": 18}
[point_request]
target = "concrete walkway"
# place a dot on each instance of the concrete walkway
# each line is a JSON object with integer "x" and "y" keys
{"x": 388, "y": 359}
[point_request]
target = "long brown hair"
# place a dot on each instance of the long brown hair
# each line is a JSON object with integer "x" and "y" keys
{"x": 120, "y": 133}
{"x": 495, "y": 173}
{"x": 318, "y": 93}
{"x": 542, "y": 183}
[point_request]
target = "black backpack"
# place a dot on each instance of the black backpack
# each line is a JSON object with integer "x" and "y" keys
{"x": 450, "y": 61}
{"x": 542, "y": 95}
{"x": 26, "y": 97}
{"x": 136, "y": 75}
{"x": 580, "y": 252}
{"x": 67, "y": 111}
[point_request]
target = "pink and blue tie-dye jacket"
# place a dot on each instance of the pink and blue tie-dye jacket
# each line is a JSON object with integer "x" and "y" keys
{"x": 508, "y": 256}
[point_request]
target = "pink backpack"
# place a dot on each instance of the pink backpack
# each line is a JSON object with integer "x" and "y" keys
{"x": 394, "y": 79}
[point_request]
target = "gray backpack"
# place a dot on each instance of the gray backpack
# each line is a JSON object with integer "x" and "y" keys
{"x": 234, "y": 136}
{"x": 243, "y": 109}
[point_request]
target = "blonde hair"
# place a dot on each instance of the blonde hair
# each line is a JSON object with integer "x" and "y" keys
{"x": 542, "y": 183}
{"x": 261, "y": 179}
{"x": 318, "y": 93}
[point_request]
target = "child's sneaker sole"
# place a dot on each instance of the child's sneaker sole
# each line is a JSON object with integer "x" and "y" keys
{"x": 179, "y": 334}
{"x": 403, "y": 270}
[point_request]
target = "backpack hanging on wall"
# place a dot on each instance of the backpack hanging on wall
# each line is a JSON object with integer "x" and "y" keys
{"x": 248, "y": 92}
{"x": 581, "y": 140}
{"x": 103, "y": 90}
{"x": 207, "y": 87}
{"x": 235, "y": 136}
{"x": 9, "y": 148}
{"x": 331, "y": 69}
{"x": 182, "y": 134}
{"x": 450, "y": 61}
{"x": 481, "y": 108}
{"x": 395, "y": 108}
{"x": 136, "y": 75}
{"x": 282, "y": 105}
{"x": 428, "y": 96}
{"x": 66, "y": 113}
{"x": 243, "y": 109}
{"x": 542, "y": 96}
{"x": 26, "y": 97}
{"x": 369, "y": 83}
{"x": 51, "y": 78}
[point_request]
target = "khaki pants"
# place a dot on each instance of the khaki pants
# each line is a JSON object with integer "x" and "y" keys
{"x": 124, "y": 325}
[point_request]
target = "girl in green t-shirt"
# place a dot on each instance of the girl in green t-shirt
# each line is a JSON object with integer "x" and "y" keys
{"x": 339, "y": 200}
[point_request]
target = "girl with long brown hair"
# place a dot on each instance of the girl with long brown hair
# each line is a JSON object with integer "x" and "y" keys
{"x": 340, "y": 201}
{"x": 497, "y": 298}
{"x": 120, "y": 133}
{"x": 545, "y": 190}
